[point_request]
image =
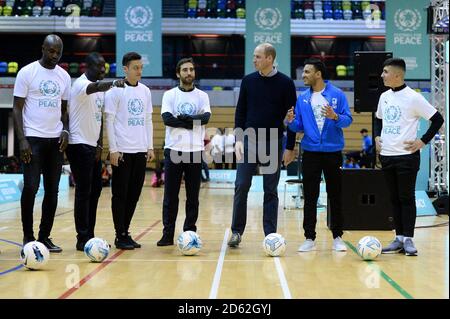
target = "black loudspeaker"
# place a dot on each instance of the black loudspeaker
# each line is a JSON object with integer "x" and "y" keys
{"x": 441, "y": 205}
{"x": 368, "y": 84}
{"x": 365, "y": 201}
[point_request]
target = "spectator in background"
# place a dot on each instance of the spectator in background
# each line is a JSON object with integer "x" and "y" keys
{"x": 229, "y": 155}
{"x": 106, "y": 176}
{"x": 207, "y": 143}
{"x": 218, "y": 148}
{"x": 350, "y": 163}
{"x": 364, "y": 156}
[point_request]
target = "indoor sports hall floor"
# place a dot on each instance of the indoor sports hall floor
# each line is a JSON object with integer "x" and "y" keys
{"x": 218, "y": 271}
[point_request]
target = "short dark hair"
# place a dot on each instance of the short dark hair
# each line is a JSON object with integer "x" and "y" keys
{"x": 130, "y": 56}
{"x": 183, "y": 61}
{"x": 364, "y": 130}
{"x": 270, "y": 50}
{"x": 318, "y": 65}
{"x": 92, "y": 58}
{"x": 400, "y": 63}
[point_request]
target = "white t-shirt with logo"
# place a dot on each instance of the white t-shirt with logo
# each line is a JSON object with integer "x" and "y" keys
{"x": 177, "y": 102}
{"x": 130, "y": 106}
{"x": 85, "y": 113}
{"x": 317, "y": 103}
{"x": 400, "y": 112}
{"x": 43, "y": 90}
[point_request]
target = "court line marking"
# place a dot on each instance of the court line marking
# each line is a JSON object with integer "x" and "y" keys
{"x": 388, "y": 279}
{"x": 103, "y": 265}
{"x": 184, "y": 260}
{"x": 219, "y": 267}
{"x": 16, "y": 267}
{"x": 282, "y": 277}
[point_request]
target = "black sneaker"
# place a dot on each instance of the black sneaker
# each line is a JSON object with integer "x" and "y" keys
{"x": 234, "y": 240}
{"x": 123, "y": 243}
{"x": 50, "y": 245}
{"x": 132, "y": 242}
{"x": 166, "y": 240}
{"x": 27, "y": 239}
{"x": 80, "y": 245}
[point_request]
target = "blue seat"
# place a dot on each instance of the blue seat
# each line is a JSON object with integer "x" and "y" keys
{"x": 112, "y": 69}
{"x": 3, "y": 67}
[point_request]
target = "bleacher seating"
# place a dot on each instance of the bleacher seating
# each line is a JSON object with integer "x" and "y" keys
{"x": 331, "y": 10}
{"x": 336, "y": 10}
{"x": 3, "y": 67}
{"x": 13, "y": 67}
{"x": 35, "y": 8}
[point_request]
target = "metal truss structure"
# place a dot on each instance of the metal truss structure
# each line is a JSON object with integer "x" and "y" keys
{"x": 439, "y": 155}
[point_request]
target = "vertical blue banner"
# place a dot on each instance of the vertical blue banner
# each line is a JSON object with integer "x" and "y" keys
{"x": 268, "y": 21}
{"x": 406, "y": 35}
{"x": 138, "y": 29}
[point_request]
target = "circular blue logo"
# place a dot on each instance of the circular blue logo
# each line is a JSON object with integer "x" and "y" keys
{"x": 135, "y": 107}
{"x": 49, "y": 88}
{"x": 392, "y": 114}
{"x": 99, "y": 103}
{"x": 186, "y": 108}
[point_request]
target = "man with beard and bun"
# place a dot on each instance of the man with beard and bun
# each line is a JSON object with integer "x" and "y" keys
{"x": 86, "y": 104}
{"x": 41, "y": 91}
{"x": 130, "y": 135}
{"x": 185, "y": 111}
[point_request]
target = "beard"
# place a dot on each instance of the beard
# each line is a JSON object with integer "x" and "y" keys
{"x": 187, "y": 80}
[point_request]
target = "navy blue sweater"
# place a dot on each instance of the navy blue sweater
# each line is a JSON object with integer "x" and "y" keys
{"x": 264, "y": 101}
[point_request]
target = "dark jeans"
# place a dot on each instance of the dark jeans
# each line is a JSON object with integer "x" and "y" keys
{"x": 87, "y": 173}
{"x": 313, "y": 164}
{"x": 401, "y": 173}
{"x": 46, "y": 159}
{"x": 244, "y": 175}
{"x": 126, "y": 186}
{"x": 173, "y": 173}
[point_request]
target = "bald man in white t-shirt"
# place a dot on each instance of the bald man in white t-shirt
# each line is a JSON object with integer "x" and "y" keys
{"x": 41, "y": 91}
{"x": 398, "y": 114}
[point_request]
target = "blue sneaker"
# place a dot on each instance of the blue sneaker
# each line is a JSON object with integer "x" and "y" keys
{"x": 394, "y": 247}
{"x": 410, "y": 249}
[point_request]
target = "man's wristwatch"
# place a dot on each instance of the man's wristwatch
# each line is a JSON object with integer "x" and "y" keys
{"x": 336, "y": 117}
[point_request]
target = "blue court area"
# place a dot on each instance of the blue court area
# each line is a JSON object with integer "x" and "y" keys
{"x": 11, "y": 187}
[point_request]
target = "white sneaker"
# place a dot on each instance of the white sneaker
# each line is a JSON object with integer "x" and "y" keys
{"x": 308, "y": 245}
{"x": 339, "y": 245}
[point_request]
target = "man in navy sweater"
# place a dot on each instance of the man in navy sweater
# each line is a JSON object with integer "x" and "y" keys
{"x": 321, "y": 113}
{"x": 264, "y": 98}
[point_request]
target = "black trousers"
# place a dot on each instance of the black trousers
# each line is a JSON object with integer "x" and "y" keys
{"x": 126, "y": 186}
{"x": 191, "y": 166}
{"x": 401, "y": 173}
{"x": 46, "y": 159}
{"x": 87, "y": 173}
{"x": 313, "y": 164}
